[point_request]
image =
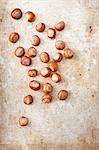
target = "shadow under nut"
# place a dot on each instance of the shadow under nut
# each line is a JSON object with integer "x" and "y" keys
{"x": 14, "y": 37}
{"x": 26, "y": 61}
{"x": 34, "y": 85}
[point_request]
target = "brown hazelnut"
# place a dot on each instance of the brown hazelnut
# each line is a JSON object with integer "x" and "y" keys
{"x": 14, "y": 37}
{"x": 16, "y": 13}
{"x": 34, "y": 85}
{"x": 60, "y": 26}
{"x": 60, "y": 45}
{"x": 32, "y": 72}
{"x": 45, "y": 72}
{"x": 44, "y": 57}
{"x": 68, "y": 53}
{"x": 32, "y": 52}
{"x": 23, "y": 121}
{"x": 46, "y": 98}
{"x": 26, "y": 61}
{"x": 53, "y": 65}
{"x": 19, "y": 51}
{"x": 40, "y": 27}
{"x": 56, "y": 77}
{"x": 62, "y": 94}
{"x": 58, "y": 57}
{"x": 51, "y": 33}
{"x": 28, "y": 99}
{"x": 30, "y": 16}
{"x": 35, "y": 40}
{"x": 47, "y": 88}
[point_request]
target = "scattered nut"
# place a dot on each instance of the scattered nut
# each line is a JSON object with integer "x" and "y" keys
{"x": 68, "y": 53}
{"x": 40, "y": 27}
{"x": 60, "y": 26}
{"x": 46, "y": 98}
{"x": 23, "y": 121}
{"x": 14, "y": 37}
{"x": 53, "y": 65}
{"x": 32, "y": 52}
{"x": 44, "y": 57}
{"x": 28, "y": 99}
{"x": 32, "y": 72}
{"x": 58, "y": 57}
{"x": 16, "y": 13}
{"x": 26, "y": 61}
{"x": 30, "y": 16}
{"x": 56, "y": 77}
{"x": 51, "y": 33}
{"x": 62, "y": 94}
{"x": 34, "y": 85}
{"x": 19, "y": 52}
{"x": 60, "y": 45}
{"x": 47, "y": 88}
{"x": 45, "y": 72}
{"x": 35, "y": 40}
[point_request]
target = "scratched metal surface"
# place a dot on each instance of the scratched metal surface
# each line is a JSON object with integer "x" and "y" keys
{"x": 59, "y": 125}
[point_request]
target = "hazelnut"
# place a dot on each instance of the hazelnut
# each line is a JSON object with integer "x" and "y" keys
{"x": 19, "y": 52}
{"x": 32, "y": 52}
{"x": 45, "y": 72}
{"x": 40, "y": 27}
{"x": 62, "y": 94}
{"x": 68, "y": 53}
{"x": 16, "y": 13}
{"x": 47, "y": 88}
{"x": 32, "y": 72}
{"x": 30, "y": 16}
{"x": 60, "y": 26}
{"x": 46, "y": 98}
{"x": 51, "y": 33}
{"x": 34, "y": 85}
{"x": 14, "y": 37}
{"x": 44, "y": 57}
{"x": 53, "y": 65}
{"x": 56, "y": 77}
{"x": 28, "y": 99}
{"x": 23, "y": 121}
{"x": 60, "y": 45}
{"x": 35, "y": 40}
{"x": 26, "y": 61}
{"x": 58, "y": 57}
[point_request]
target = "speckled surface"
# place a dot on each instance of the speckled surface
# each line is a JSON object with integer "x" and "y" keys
{"x": 64, "y": 125}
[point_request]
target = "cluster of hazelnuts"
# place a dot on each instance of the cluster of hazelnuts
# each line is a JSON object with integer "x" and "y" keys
{"x": 51, "y": 70}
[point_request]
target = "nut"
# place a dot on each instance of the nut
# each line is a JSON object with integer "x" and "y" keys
{"x": 47, "y": 88}
{"x": 62, "y": 94}
{"x": 51, "y": 33}
{"x": 58, "y": 57}
{"x": 46, "y": 98}
{"x": 30, "y": 16}
{"x": 35, "y": 40}
{"x": 28, "y": 99}
{"x": 34, "y": 85}
{"x": 16, "y": 13}
{"x": 45, "y": 72}
{"x": 14, "y": 37}
{"x": 26, "y": 61}
{"x": 23, "y": 121}
{"x": 32, "y": 52}
{"x": 32, "y": 72}
{"x": 56, "y": 77}
{"x": 40, "y": 27}
{"x": 60, "y": 45}
{"x": 53, "y": 65}
{"x": 44, "y": 57}
{"x": 60, "y": 26}
{"x": 68, "y": 53}
{"x": 19, "y": 52}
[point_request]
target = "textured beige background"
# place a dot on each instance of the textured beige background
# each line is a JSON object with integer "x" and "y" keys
{"x": 60, "y": 125}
